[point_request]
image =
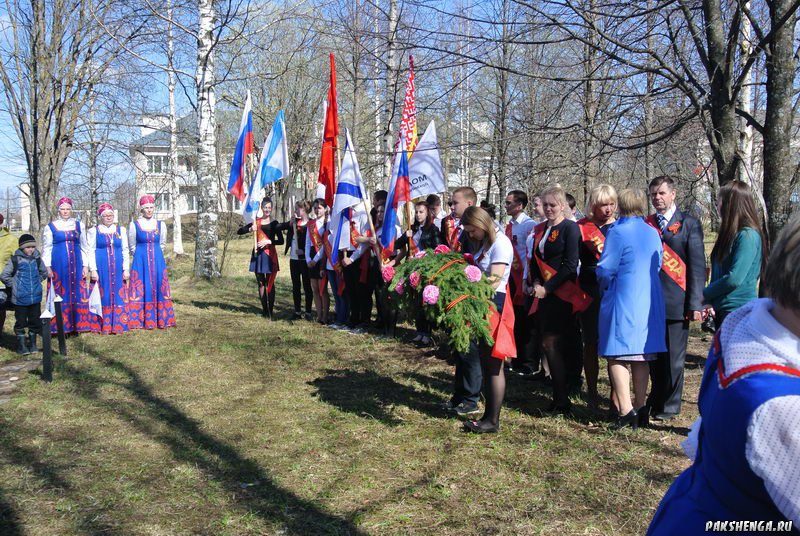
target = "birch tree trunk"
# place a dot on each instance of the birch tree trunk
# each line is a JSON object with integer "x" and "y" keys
{"x": 746, "y": 102}
{"x": 205, "y": 256}
{"x": 177, "y": 232}
{"x": 391, "y": 87}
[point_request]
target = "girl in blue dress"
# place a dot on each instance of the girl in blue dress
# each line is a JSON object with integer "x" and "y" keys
{"x": 109, "y": 268}
{"x": 64, "y": 250}
{"x": 149, "y": 292}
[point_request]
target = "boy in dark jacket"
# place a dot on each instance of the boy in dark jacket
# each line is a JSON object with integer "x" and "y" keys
{"x": 24, "y": 273}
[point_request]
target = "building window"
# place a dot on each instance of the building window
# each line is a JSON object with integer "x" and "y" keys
{"x": 157, "y": 163}
{"x": 162, "y": 202}
{"x": 186, "y": 163}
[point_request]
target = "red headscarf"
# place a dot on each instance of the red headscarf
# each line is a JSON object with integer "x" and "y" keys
{"x": 65, "y": 201}
{"x": 103, "y": 207}
{"x": 147, "y": 200}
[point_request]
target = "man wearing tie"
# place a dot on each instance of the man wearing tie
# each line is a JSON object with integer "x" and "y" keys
{"x": 682, "y": 279}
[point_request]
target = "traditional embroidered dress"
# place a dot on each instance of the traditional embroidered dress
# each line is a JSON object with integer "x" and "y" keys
{"x": 110, "y": 259}
{"x": 64, "y": 248}
{"x": 747, "y": 443}
{"x": 149, "y": 293}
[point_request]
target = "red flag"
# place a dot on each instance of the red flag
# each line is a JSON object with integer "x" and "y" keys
{"x": 408, "y": 123}
{"x": 327, "y": 162}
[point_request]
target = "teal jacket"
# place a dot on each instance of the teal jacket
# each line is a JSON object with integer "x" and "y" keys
{"x": 734, "y": 281}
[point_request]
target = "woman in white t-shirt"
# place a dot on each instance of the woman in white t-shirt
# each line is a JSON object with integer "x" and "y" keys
{"x": 493, "y": 255}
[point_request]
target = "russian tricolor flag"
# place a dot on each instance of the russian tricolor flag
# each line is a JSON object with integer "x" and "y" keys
{"x": 399, "y": 192}
{"x": 244, "y": 147}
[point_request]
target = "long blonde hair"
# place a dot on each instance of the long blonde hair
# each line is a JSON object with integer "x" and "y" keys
{"x": 478, "y": 217}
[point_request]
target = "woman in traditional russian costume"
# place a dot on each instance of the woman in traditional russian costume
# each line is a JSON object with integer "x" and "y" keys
{"x": 149, "y": 294}
{"x": 746, "y": 443}
{"x": 109, "y": 268}
{"x": 264, "y": 257}
{"x": 64, "y": 252}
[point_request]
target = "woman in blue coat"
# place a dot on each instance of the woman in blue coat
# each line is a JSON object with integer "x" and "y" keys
{"x": 632, "y": 315}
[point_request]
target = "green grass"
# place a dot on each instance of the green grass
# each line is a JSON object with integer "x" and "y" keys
{"x": 231, "y": 425}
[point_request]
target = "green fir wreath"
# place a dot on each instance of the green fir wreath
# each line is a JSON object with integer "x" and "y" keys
{"x": 452, "y": 293}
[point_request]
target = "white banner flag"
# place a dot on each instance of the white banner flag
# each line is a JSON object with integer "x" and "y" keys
{"x": 425, "y": 171}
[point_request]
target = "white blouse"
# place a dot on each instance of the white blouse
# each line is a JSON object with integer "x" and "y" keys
{"x": 147, "y": 225}
{"x": 500, "y": 252}
{"x": 47, "y": 239}
{"x": 91, "y": 239}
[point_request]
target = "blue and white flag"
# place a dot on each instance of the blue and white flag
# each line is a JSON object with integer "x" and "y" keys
{"x": 273, "y": 166}
{"x": 350, "y": 191}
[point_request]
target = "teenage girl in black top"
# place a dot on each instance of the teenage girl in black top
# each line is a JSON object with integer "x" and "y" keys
{"x": 556, "y": 243}
{"x": 264, "y": 257}
{"x": 296, "y": 248}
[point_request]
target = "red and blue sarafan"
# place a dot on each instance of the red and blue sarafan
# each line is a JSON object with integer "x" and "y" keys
{"x": 149, "y": 294}
{"x": 113, "y": 292}
{"x": 67, "y": 266}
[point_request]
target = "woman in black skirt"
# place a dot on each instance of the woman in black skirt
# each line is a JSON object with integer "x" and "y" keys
{"x": 554, "y": 264}
{"x": 264, "y": 257}
{"x": 315, "y": 259}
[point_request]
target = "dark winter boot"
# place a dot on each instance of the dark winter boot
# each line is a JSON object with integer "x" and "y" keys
{"x": 23, "y": 348}
{"x": 32, "y": 343}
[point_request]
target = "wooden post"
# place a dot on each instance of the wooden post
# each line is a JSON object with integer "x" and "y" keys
{"x": 47, "y": 348}
{"x": 62, "y": 342}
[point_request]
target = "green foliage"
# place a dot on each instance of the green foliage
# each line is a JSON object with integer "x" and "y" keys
{"x": 467, "y": 320}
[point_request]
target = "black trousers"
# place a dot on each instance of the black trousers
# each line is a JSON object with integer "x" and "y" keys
{"x": 469, "y": 376}
{"x": 666, "y": 372}
{"x": 299, "y": 271}
{"x": 27, "y": 316}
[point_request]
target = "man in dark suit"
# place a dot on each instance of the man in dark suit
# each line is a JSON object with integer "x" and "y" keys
{"x": 682, "y": 279}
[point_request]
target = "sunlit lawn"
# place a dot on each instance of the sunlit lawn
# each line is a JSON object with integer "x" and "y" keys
{"x": 230, "y": 424}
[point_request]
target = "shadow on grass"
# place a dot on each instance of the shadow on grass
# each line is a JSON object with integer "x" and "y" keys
{"x": 9, "y": 520}
{"x": 188, "y": 443}
{"x": 368, "y": 394}
{"x": 48, "y": 474}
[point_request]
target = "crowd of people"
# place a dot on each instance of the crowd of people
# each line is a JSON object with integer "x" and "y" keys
{"x": 615, "y": 284}
{"x": 109, "y": 279}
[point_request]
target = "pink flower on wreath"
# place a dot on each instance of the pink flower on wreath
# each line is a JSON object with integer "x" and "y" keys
{"x": 419, "y": 254}
{"x": 473, "y": 273}
{"x": 414, "y": 279}
{"x": 387, "y": 273}
{"x": 441, "y": 248}
{"x": 430, "y": 295}
{"x": 399, "y": 288}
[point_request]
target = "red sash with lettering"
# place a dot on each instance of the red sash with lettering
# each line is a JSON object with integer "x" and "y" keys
{"x": 568, "y": 291}
{"x": 671, "y": 264}
{"x": 501, "y": 326}
{"x": 516, "y": 269}
{"x": 592, "y": 237}
{"x": 316, "y": 241}
{"x": 337, "y": 268}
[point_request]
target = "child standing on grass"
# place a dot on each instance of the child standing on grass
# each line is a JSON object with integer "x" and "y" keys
{"x": 24, "y": 273}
